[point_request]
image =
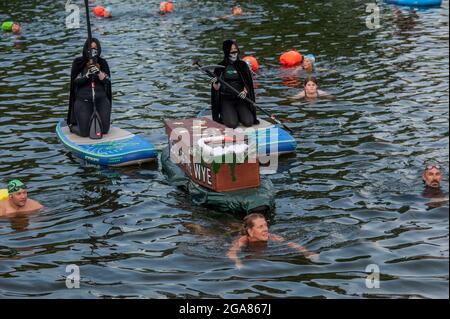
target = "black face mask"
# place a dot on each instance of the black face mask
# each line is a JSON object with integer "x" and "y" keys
{"x": 94, "y": 53}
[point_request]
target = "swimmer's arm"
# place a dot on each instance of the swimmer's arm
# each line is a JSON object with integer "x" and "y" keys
{"x": 277, "y": 238}
{"x": 326, "y": 95}
{"x": 303, "y": 250}
{"x": 301, "y": 95}
{"x": 234, "y": 250}
{"x": 295, "y": 246}
{"x": 2, "y": 210}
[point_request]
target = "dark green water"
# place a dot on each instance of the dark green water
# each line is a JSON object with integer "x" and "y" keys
{"x": 352, "y": 191}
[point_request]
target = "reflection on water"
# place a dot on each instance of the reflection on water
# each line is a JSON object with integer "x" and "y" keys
{"x": 351, "y": 192}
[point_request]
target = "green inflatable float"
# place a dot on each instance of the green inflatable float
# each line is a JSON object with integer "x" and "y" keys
{"x": 261, "y": 199}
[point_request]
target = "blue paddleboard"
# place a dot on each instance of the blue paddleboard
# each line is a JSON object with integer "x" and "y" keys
{"x": 270, "y": 138}
{"x": 416, "y": 3}
{"x": 117, "y": 148}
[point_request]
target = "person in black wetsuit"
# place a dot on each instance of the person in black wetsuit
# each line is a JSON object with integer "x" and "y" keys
{"x": 80, "y": 100}
{"x": 228, "y": 107}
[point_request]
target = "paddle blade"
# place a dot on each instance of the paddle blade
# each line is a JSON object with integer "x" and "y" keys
{"x": 95, "y": 127}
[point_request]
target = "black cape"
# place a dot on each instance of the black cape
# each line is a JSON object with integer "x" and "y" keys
{"x": 77, "y": 66}
{"x": 246, "y": 77}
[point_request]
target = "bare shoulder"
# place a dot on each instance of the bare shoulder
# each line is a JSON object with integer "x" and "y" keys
{"x": 33, "y": 205}
{"x": 243, "y": 241}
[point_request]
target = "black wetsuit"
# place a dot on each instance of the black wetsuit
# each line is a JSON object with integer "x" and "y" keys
{"x": 80, "y": 101}
{"x": 226, "y": 106}
{"x": 234, "y": 109}
{"x": 84, "y": 107}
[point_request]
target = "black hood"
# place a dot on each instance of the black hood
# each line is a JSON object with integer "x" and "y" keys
{"x": 86, "y": 48}
{"x": 227, "y": 44}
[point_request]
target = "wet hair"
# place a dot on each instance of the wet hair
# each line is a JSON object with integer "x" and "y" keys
{"x": 310, "y": 79}
{"x": 249, "y": 222}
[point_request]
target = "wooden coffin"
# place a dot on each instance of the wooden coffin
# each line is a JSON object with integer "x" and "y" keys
{"x": 210, "y": 157}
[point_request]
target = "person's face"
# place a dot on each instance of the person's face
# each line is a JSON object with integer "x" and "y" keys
{"x": 234, "y": 53}
{"x": 15, "y": 28}
{"x": 259, "y": 231}
{"x": 237, "y": 11}
{"x": 311, "y": 87}
{"x": 94, "y": 49}
{"x": 19, "y": 198}
{"x": 307, "y": 65}
{"x": 432, "y": 177}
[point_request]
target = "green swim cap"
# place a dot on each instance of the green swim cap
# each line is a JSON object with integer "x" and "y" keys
{"x": 7, "y": 26}
{"x": 15, "y": 185}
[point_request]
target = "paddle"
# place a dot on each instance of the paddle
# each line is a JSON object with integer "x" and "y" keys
{"x": 212, "y": 75}
{"x": 95, "y": 124}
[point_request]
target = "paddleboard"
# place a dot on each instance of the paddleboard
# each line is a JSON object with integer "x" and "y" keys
{"x": 117, "y": 148}
{"x": 270, "y": 138}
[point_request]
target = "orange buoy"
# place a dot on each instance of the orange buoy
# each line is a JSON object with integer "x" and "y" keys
{"x": 252, "y": 63}
{"x": 166, "y": 7}
{"x": 99, "y": 11}
{"x": 291, "y": 58}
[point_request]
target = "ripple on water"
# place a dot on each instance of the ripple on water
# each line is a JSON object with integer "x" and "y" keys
{"x": 352, "y": 191}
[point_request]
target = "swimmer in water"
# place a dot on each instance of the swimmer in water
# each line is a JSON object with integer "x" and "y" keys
{"x": 237, "y": 11}
{"x": 432, "y": 178}
{"x": 311, "y": 90}
{"x": 10, "y": 26}
{"x": 256, "y": 231}
{"x": 18, "y": 201}
{"x": 16, "y": 28}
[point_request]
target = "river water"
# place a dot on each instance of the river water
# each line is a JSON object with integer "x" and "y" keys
{"x": 352, "y": 191}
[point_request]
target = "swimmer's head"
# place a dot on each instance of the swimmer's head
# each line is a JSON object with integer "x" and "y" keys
{"x": 17, "y": 192}
{"x": 16, "y": 28}
{"x": 432, "y": 176}
{"x": 255, "y": 227}
{"x": 10, "y": 26}
{"x": 308, "y": 65}
{"x": 108, "y": 12}
{"x": 311, "y": 85}
{"x": 236, "y": 11}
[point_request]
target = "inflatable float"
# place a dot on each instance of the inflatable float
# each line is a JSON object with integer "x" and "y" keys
{"x": 246, "y": 201}
{"x": 4, "y": 194}
{"x": 267, "y": 134}
{"x": 415, "y": 3}
{"x": 117, "y": 148}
